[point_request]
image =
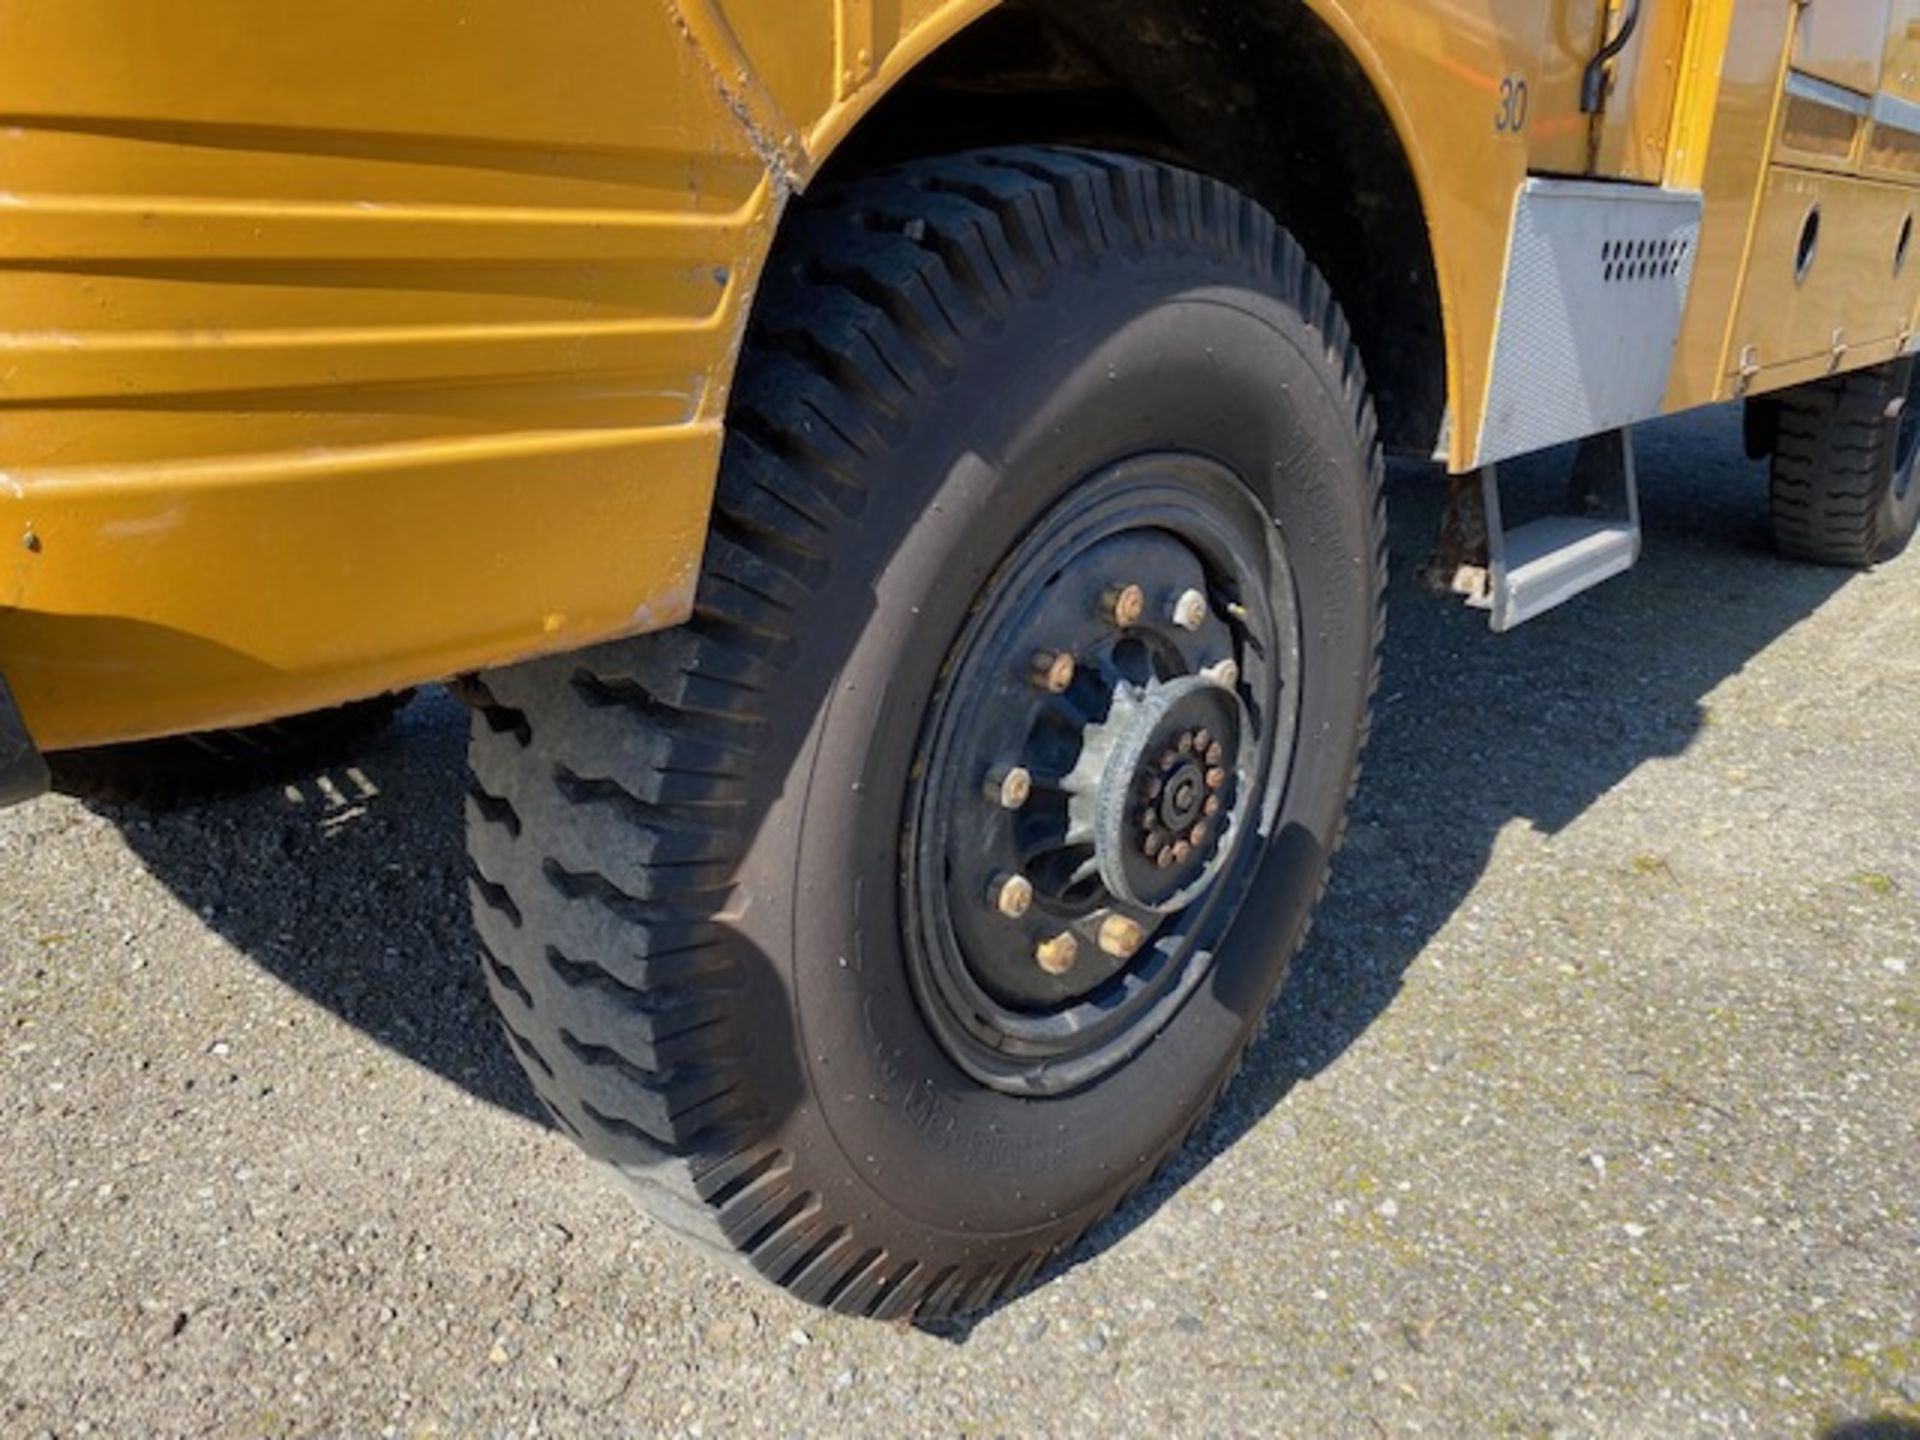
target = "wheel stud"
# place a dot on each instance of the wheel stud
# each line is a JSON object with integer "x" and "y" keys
{"x": 1212, "y": 807}
{"x": 1124, "y": 605}
{"x": 1121, "y": 936}
{"x": 1216, "y": 778}
{"x": 1013, "y": 895}
{"x": 1214, "y": 753}
{"x": 1190, "y": 610}
{"x": 1008, "y": 786}
{"x": 1202, "y": 742}
{"x": 1225, "y": 674}
{"x": 1052, "y": 671}
{"x": 1057, "y": 956}
{"x": 1198, "y": 835}
{"x": 1181, "y": 850}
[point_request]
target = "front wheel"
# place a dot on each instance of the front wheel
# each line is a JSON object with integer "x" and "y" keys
{"x": 893, "y": 920}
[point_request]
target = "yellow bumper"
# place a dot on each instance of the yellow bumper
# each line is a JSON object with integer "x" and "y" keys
{"x": 344, "y": 346}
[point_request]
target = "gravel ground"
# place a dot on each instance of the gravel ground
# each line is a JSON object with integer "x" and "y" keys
{"x": 1592, "y": 1109}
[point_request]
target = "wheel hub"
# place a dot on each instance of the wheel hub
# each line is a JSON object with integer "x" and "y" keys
{"x": 1166, "y": 757}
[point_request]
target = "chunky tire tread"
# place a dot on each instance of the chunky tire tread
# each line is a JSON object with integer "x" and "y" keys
{"x": 1833, "y": 461}
{"x": 192, "y": 769}
{"x": 610, "y": 788}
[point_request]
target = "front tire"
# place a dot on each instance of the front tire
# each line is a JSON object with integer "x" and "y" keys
{"x": 741, "y": 886}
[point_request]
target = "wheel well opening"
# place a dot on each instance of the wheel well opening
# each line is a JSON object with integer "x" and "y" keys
{"x": 1262, "y": 96}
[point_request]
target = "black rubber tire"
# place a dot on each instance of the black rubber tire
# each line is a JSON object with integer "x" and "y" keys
{"x": 686, "y": 846}
{"x": 1843, "y": 485}
{"x": 192, "y": 769}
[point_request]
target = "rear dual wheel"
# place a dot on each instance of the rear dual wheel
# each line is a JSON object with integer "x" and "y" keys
{"x": 893, "y": 920}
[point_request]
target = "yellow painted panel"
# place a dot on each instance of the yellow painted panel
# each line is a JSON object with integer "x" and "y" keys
{"x": 1842, "y": 41}
{"x": 343, "y": 347}
{"x": 1850, "y": 296}
{"x": 1750, "y": 75}
{"x": 1900, "y": 72}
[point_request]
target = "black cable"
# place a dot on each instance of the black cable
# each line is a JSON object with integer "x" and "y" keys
{"x": 1593, "y": 84}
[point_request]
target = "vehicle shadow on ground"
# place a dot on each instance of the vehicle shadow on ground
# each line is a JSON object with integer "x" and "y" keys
{"x": 350, "y": 887}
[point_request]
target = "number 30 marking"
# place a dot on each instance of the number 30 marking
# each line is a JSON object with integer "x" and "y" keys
{"x": 1511, "y": 117}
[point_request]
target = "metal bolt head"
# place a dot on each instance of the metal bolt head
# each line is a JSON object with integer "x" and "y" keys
{"x": 1121, "y": 936}
{"x": 1009, "y": 786}
{"x": 1124, "y": 605}
{"x": 1013, "y": 895}
{"x": 1052, "y": 671}
{"x": 1057, "y": 955}
{"x": 1190, "y": 610}
{"x": 1225, "y": 674}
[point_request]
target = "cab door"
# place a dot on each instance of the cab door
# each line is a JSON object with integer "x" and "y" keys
{"x": 1628, "y": 135}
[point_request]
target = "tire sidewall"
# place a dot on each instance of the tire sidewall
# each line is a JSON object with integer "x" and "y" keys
{"x": 1165, "y": 351}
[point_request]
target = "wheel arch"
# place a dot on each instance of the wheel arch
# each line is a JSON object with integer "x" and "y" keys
{"x": 1284, "y": 99}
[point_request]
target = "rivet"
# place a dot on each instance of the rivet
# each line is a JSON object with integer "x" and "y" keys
{"x": 1052, "y": 671}
{"x": 1121, "y": 936}
{"x": 1008, "y": 786}
{"x": 1056, "y": 956}
{"x": 1013, "y": 895}
{"x": 1190, "y": 610}
{"x": 1124, "y": 605}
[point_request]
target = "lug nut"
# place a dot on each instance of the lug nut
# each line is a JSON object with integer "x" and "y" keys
{"x": 1202, "y": 741}
{"x": 1124, "y": 605}
{"x": 1212, "y": 807}
{"x": 1154, "y": 844}
{"x": 1215, "y": 753}
{"x": 1013, "y": 895}
{"x": 1190, "y": 610}
{"x": 1056, "y": 956}
{"x": 1181, "y": 850}
{"x": 1198, "y": 835}
{"x": 1166, "y": 857}
{"x": 1225, "y": 674}
{"x": 1008, "y": 786}
{"x": 1121, "y": 936}
{"x": 1052, "y": 671}
{"x": 1216, "y": 777}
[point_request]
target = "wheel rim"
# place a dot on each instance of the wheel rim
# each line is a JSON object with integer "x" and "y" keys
{"x": 1100, "y": 768}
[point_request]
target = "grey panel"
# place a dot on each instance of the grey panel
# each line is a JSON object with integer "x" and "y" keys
{"x": 1894, "y": 112}
{"x": 1597, "y": 279}
{"x": 1803, "y": 86}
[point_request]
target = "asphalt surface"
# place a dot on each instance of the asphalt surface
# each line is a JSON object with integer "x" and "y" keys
{"x": 1593, "y": 1107}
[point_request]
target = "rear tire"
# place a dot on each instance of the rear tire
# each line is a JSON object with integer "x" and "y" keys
{"x": 1844, "y": 490}
{"x": 192, "y": 769}
{"x": 695, "y": 852}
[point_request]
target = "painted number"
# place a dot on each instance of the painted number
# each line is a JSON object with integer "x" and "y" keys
{"x": 1511, "y": 117}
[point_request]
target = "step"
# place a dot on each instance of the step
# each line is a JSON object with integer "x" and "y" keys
{"x": 1550, "y": 561}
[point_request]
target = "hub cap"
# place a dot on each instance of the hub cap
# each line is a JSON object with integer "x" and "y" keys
{"x": 1100, "y": 768}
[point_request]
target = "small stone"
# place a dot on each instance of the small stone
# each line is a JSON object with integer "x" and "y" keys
{"x": 220, "y": 1047}
{"x": 1388, "y": 1208}
{"x": 844, "y": 1380}
{"x": 1634, "y": 1232}
{"x": 498, "y": 1354}
{"x": 1094, "y": 1343}
{"x": 799, "y": 1337}
{"x": 1189, "y": 1324}
{"x": 1216, "y": 1207}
